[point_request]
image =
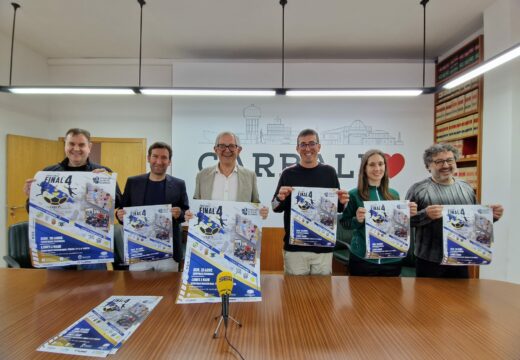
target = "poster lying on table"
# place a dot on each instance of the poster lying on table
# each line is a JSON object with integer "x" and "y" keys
{"x": 104, "y": 329}
{"x": 387, "y": 229}
{"x": 222, "y": 236}
{"x": 71, "y": 218}
{"x": 467, "y": 232}
{"x": 313, "y": 217}
{"x": 147, "y": 233}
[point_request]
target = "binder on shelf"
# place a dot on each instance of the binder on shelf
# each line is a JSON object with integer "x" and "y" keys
{"x": 458, "y": 111}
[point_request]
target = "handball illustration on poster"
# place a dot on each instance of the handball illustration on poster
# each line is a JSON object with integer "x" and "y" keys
{"x": 71, "y": 218}
{"x": 313, "y": 217}
{"x": 147, "y": 233}
{"x": 222, "y": 236}
{"x": 387, "y": 229}
{"x": 467, "y": 234}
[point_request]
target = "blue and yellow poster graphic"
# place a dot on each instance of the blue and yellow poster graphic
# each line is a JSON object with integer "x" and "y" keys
{"x": 387, "y": 229}
{"x": 104, "y": 329}
{"x": 223, "y": 236}
{"x": 467, "y": 234}
{"x": 313, "y": 217}
{"x": 71, "y": 218}
{"x": 147, "y": 233}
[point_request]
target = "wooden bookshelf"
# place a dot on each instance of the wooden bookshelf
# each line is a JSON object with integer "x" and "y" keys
{"x": 458, "y": 114}
{"x": 458, "y": 111}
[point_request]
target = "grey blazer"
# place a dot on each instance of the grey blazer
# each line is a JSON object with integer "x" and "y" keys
{"x": 247, "y": 188}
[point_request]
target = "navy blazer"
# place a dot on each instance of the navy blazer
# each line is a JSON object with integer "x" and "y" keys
{"x": 175, "y": 194}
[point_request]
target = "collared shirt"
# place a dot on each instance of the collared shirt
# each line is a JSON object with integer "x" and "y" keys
{"x": 225, "y": 187}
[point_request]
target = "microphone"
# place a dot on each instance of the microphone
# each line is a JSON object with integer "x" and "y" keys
{"x": 225, "y": 287}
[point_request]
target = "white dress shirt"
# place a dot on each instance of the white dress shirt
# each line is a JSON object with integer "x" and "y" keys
{"x": 225, "y": 187}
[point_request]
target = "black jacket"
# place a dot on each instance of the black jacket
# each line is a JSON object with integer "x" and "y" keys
{"x": 175, "y": 194}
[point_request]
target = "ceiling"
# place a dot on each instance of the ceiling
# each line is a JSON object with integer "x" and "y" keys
{"x": 241, "y": 29}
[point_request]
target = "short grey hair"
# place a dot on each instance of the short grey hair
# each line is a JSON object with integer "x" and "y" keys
{"x": 436, "y": 149}
{"x": 237, "y": 140}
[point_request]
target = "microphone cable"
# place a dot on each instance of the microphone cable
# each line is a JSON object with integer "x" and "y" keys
{"x": 230, "y": 345}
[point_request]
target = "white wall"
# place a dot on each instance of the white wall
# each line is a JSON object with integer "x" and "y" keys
{"x": 500, "y": 166}
{"x": 131, "y": 116}
{"x": 513, "y": 265}
{"x": 359, "y": 73}
{"x": 19, "y": 116}
{"x": 196, "y": 121}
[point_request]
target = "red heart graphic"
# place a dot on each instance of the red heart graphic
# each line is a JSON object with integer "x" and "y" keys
{"x": 395, "y": 164}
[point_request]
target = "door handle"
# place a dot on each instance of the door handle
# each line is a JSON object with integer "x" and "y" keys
{"x": 12, "y": 209}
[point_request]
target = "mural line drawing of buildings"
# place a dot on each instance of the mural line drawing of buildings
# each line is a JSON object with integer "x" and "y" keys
{"x": 278, "y": 133}
{"x": 358, "y": 133}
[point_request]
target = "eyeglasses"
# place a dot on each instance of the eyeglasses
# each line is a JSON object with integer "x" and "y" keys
{"x": 230, "y": 147}
{"x": 441, "y": 162}
{"x": 310, "y": 145}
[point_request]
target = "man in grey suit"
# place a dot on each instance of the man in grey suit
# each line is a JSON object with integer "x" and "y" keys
{"x": 227, "y": 180}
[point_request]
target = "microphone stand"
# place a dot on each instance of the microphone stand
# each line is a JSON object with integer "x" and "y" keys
{"x": 224, "y": 316}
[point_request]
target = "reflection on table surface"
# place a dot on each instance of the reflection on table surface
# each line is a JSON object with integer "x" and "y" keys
{"x": 300, "y": 317}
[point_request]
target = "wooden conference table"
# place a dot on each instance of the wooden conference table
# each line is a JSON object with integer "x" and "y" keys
{"x": 299, "y": 318}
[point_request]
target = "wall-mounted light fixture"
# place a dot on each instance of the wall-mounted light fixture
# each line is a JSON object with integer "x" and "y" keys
{"x": 487, "y": 65}
{"x": 58, "y": 90}
{"x": 207, "y": 92}
{"x": 497, "y": 60}
{"x": 365, "y": 92}
{"x": 73, "y": 90}
{"x": 351, "y": 92}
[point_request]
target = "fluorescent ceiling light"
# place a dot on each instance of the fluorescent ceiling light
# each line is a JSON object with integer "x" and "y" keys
{"x": 487, "y": 65}
{"x": 61, "y": 90}
{"x": 207, "y": 92}
{"x": 356, "y": 92}
{"x": 54, "y": 90}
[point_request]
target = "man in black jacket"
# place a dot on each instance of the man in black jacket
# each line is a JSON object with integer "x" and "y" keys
{"x": 158, "y": 188}
{"x": 77, "y": 151}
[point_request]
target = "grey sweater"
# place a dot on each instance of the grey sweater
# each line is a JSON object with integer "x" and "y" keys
{"x": 428, "y": 233}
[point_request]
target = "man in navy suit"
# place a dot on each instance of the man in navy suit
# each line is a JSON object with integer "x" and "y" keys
{"x": 158, "y": 188}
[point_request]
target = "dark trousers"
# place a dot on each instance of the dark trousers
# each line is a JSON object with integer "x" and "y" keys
{"x": 360, "y": 267}
{"x": 101, "y": 266}
{"x": 425, "y": 268}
